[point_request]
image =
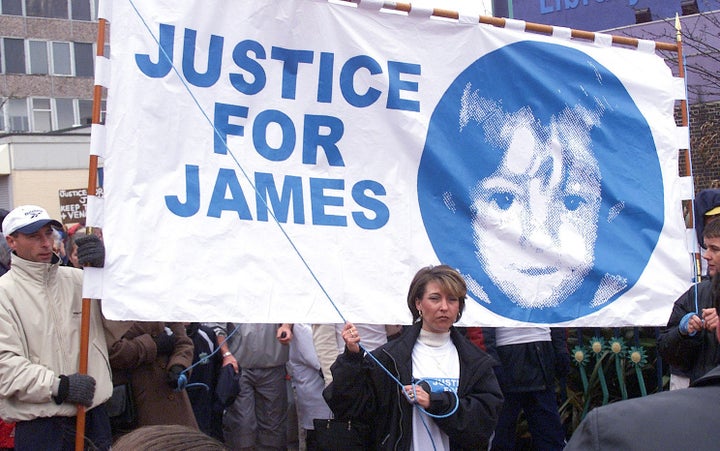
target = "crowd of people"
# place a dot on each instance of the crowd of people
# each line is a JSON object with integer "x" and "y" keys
{"x": 429, "y": 385}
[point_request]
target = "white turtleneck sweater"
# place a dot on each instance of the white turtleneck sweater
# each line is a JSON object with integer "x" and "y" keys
{"x": 435, "y": 361}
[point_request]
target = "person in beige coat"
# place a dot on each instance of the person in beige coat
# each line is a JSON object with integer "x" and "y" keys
{"x": 40, "y": 315}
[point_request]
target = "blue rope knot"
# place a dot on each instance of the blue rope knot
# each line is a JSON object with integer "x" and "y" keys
{"x": 182, "y": 381}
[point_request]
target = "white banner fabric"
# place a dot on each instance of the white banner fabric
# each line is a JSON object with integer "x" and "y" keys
{"x": 300, "y": 160}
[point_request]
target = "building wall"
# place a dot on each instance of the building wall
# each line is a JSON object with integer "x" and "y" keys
{"x": 41, "y": 187}
{"x": 42, "y": 97}
{"x": 34, "y": 167}
{"x": 594, "y": 15}
{"x": 705, "y": 143}
{"x": 23, "y": 85}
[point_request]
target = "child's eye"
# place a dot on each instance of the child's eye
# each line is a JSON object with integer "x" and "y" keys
{"x": 503, "y": 199}
{"x": 573, "y": 202}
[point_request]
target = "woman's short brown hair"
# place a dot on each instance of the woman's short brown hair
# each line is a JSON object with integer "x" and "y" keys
{"x": 449, "y": 279}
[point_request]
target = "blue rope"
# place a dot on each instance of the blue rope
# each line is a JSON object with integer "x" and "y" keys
{"x": 183, "y": 375}
{"x": 414, "y": 385}
{"x": 183, "y": 378}
{"x": 237, "y": 162}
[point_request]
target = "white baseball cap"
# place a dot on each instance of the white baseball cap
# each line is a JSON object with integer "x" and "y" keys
{"x": 27, "y": 219}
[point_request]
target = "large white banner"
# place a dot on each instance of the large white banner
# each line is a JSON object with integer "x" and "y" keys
{"x": 300, "y": 160}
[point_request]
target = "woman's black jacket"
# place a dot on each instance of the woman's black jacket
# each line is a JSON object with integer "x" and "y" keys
{"x": 364, "y": 392}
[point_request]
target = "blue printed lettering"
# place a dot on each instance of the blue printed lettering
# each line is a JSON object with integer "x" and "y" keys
{"x": 165, "y": 55}
{"x": 251, "y": 78}
{"x": 260, "y": 133}
{"x": 382, "y": 213}
{"x": 192, "y": 194}
{"x": 227, "y": 180}
{"x": 320, "y": 200}
{"x": 212, "y": 72}
{"x": 325, "y": 77}
{"x": 228, "y": 195}
{"x": 268, "y": 197}
{"x": 243, "y": 61}
{"x": 313, "y": 139}
{"x": 347, "y": 81}
{"x": 291, "y": 60}
{"x": 223, "y": 127}
{"x": 394, "y": 101}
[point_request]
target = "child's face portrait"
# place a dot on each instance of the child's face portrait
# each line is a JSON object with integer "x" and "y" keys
{"x": 543, "y": 188}
{"x": 535, "y": 218}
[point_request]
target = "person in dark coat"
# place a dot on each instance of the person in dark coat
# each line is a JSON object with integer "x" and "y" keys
{"x": 705, "y": 208}
{"x": 439, "y": 369}
{"x": 677, "y": 419}
{"x": 152, "y": 355}
{"x": 689, "y": 342}
{"x": 201, "y": 383}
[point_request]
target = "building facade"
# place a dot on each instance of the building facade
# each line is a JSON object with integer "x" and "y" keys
{"x": 597, "y": 15}
{"x": 47, "y": 54}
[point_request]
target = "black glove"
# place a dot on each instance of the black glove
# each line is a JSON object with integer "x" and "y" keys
{"x": 76, "y": 389}
{"x": 91, "y": 251}
{"x": 173, "y": 375}
{"x": 165, "y": 343}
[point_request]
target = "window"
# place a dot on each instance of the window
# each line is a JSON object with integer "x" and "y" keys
{"x": 42, "y": 115}
{"x": 85, "y": 110}
{"x": 54, "y": 58}
{"x": 14, "y": 50}
{"x": 54, "y": 9}
{"x": 61, "y": 58}
{"x": 57, "y": 9}
{"x": 81, "y": 9}
{"x": 12, "y": 7}
{"x": 65, "y": 111}
{"x": 47, "y": 114}
{"x": 17, "y": 116}
{"x": 38, "y": 57}
{"x": 84, "y": 59}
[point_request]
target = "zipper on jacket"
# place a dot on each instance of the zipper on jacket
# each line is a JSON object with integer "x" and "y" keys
{"x": 399, "y": 405}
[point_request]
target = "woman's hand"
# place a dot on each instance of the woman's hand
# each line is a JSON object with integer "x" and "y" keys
{"x": 284, "y": 333}
{"x": 419, "y": 396}
{"x": 351, "y": 337}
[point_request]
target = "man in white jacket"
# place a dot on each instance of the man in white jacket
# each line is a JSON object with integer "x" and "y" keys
{"x": 40, "y": 315}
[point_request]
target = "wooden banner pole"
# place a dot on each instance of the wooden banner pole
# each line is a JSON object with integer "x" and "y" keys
{"x": 91, "y": 191}
{"x": 529, "y": 26}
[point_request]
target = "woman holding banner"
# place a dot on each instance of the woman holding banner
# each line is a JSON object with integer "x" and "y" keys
{"x": 444, "y": 396}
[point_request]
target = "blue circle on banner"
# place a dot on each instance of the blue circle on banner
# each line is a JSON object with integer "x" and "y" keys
{"x": 540, "y": 183}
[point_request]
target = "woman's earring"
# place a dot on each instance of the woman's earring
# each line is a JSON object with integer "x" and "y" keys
{"x": 420, "y": 313}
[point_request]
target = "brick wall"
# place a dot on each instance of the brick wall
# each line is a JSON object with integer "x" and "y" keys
{"x": 704, "y": 144}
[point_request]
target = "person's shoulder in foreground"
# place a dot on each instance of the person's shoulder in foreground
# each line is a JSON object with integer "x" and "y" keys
{"x": 672, "y": 420}
{"x": 167, "y": 437}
